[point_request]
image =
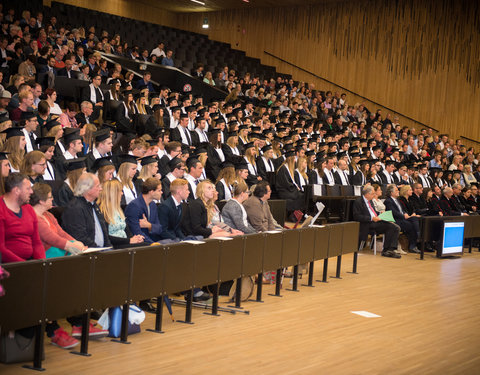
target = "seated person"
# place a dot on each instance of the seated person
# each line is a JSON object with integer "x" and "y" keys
{"x": 198, "y": 221}
{"x": 82, "y": 218}
{"x": 109, "y": 204}
{"x": 141, "y": 213}
{"x": 57, "y": 243}
{"x": 233, "y": 213}
{"x": 257, "y": 208}
{"x": 409, "y": 224}
{"x": 19, "y": 238}
{"x": 55, "y": 240}
{"x": 364, "y": 212}
{"x": 448, "y": 204}
{"x": 171, "y": 211}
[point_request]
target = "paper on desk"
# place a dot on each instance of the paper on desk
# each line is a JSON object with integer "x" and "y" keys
{"x": 387, "y": 216}
{"x": 95, "y": 249}
{"x": 194, "y": 242}
{"x": 357, "y": 190}
{"x": 320, "y": 206}
{"x": 273, "y": 231}
{"x": 224, "y": 238}
{"x": 366, "y": 314}
{"x": 317, "y": 190}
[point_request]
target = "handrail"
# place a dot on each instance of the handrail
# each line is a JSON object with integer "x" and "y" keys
{"x": 470, "y": 139}
{"x": 105, "y": 56}
{"x": 353, "y": 92}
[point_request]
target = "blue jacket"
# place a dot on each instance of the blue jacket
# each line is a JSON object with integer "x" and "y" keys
{"x": 170, "y": 220}
{"x": 135, "y": 211}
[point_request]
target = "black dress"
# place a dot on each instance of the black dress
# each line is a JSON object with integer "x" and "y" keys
{"x": 287, "y": 190}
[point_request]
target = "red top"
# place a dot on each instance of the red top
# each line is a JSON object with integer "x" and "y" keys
{"x": 19, "y": 239}
{"x": 51, "y": 234}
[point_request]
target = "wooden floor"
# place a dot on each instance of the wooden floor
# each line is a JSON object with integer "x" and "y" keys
{"x": 429, "y": 324}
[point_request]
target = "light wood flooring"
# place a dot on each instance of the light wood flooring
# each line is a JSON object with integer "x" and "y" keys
{"x": 429, "y": 324}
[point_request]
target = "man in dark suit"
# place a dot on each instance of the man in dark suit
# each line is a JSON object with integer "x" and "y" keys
{"x": 173, "y": 149}
{"x": 177, "y": 168}
{"x": 418, "y": 201}
{"x": 364, "y": 212}
{"x": 86, "y": 114}
{"x": 93, "y": 93}
{"x": 409, "y": 224}
{"x": 68, "y": 71}
{"x": 386, "y": 174}
{"x": 181, "y": 133}
{"x": 448, "y": 204}
{"x": 171, "y": 211}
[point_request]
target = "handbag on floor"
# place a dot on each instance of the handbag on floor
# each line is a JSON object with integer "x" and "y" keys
{"x": 15, "y": 348}
{"x": 135, "y": 317}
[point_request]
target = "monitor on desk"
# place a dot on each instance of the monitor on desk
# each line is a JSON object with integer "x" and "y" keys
{"x": 452, "y": 239}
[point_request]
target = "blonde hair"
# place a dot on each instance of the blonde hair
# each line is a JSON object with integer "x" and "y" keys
{"x": 146, "y": 171}
{"x": 250, "y": 155}
{"x": 30, "y": 159}
{"x": 123, "y": 174}
{"x": 404, "y": 189}
{"x": 209, "y": 204}
{"x": 289, "y": 163}
{"x": 53, "y": 131}
{"x": 16, "y": 154}
{"x": 302, "y": 170}
{"x": 228, "y": 174}
{"x": 109, "y": 202}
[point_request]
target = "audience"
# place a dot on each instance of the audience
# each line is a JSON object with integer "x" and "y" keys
{"x": 234, "y": 214}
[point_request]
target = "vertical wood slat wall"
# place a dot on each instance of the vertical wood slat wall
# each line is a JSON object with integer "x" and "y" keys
{"x": 420, "y": 58}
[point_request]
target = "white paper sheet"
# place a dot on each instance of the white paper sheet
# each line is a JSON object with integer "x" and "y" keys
{"x": 194, "y": 242}
{"x": 224, "y": 238}
{"x": 95, "y": 249}
{"x": 366, "y": 314}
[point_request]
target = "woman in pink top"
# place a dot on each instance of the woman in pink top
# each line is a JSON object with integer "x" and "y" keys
{"x": 55, "y": 240}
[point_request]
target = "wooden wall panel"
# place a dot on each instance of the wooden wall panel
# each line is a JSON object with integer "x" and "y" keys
{"x": 420, "y": 58}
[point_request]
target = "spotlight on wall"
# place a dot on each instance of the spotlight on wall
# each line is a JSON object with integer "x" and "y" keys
{"x": 205, "y": 23}
{"x": 198, "y": 2}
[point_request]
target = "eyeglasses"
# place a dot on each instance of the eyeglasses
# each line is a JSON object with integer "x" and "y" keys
{"x": 41, "y": 164}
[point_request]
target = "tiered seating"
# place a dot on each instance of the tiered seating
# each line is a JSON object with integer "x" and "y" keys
{"x": 189, "y": 48}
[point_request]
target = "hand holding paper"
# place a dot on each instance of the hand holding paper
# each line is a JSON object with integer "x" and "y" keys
{"x": 387, "y": 216}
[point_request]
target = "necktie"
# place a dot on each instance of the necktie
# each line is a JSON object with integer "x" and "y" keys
{"x": 197, "y": 181}
{"x": 373, "y": 211}
{"x": 346, "y": 178}
{"x": 179, "y": 210}
{"x": 189, "y": 141}
{"x": 271, "y": 164}
{"x": 32, "y": 139}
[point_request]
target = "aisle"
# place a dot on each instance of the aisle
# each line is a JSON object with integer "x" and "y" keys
{"x": 429, "y": 324}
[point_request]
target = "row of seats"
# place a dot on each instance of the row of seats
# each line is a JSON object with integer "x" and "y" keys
{"x": 189, "y": 48}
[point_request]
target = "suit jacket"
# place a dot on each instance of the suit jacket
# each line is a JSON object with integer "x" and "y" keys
{"x": 232, "y": 215}
{"x": 170, "y": 220}
{"x": 361, "y": 213}
{"x": 175, "y": 135}
{"x": 212, "y": 167}
{"x": 135, "y": 211}
{"x": 78, "y": 221}
{"x": 258, "y": 214}
{"x": 449, "y": 207}
{"x": 81, "y": 119}
{"x": 196, "y": 219}
{"x": 63, "y": 73}
{"x": 284, "y": 184}
{"x": 434, "y": 206}
{"x": 391, "y": 206}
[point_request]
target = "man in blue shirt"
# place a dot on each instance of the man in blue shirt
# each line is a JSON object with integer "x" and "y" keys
{"x": 168, "y": 60}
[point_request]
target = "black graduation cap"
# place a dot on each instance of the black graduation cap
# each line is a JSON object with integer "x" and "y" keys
{"x": 148, "y": 160}
{"x": 176, "y": 108}
{"x": 220, "y": 120}
{"x": 341, "y": 154}
{"x": 49, "y": 125}
{"x": 310, "y": 153}
{"x": 73, "y": 164}
{"x": 156, "y": 107}
{"x": 390, "y": 162}
{"x": 364, "y": 161}
{"x": 109, "y": 126}
{"x": 126, "y": 158}
{"x": 185, "y": 149}
{"x": 190, "y": 108}
{"x": 266, "y": 148}
{"x": 3, "y": 155}
{"x": 241, "y": 164}
{"x": 153, "y": 141}
{"x": 254, "y": 136}
{"x": 242, "y": 127}
{"x": 101, "y": 162}
{"x": 101, "y": 135}
{"x": 72, "y": 136}
{"x": 248, "y": 145}
{"x": 232, "y": 134}
{"x": 213, "y": 131}
{"x": 45, "y": 141}
{"x": 27, "y": 115}
{"x": 183, "y": 115}
{"x": 174, "y": 163}
{"x": 289, "y": 153}
{"x": 15, "y": 131}
{"x": 226, "y": 164}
